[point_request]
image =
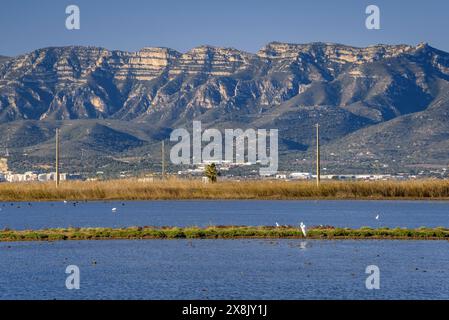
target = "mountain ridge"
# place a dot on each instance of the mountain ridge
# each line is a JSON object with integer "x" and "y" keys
{"x": 283, "y": 85}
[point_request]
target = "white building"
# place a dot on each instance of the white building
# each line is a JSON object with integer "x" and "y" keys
{"x": 301, "y": 175}
{"x": 32, "y": 176}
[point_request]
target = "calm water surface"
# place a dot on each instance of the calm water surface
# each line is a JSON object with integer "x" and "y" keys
{"x": 187, "y": 213}
{"x": 225, "y": 269}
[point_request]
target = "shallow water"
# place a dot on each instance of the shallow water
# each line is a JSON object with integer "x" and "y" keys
{"x": 225, "y": 269}
{"x": 352, "y": 214}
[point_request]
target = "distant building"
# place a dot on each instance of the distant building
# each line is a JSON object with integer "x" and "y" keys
{"x": 301, "y": 175}
{"x": 3, "y": 165}
{"x": 281, "y": 176}
{"x": 365, "y": 177}
{"x": 32, "y": 176}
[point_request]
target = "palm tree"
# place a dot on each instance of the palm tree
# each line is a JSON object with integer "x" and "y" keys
{"x": 211, "y": 172}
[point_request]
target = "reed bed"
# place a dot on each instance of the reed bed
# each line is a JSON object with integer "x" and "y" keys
{"x": 223, "y": 232}
{"x": 133, "y": 189}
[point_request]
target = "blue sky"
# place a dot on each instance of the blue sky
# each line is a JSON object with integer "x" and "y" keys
{"x": 26, "y": 25}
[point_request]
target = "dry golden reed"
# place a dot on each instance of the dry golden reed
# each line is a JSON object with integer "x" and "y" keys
{"x": 132, "y": 189}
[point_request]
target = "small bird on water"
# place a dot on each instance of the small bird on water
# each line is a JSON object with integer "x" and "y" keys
{"x": 114, "y": 209}
{"x": 377, "y": 217}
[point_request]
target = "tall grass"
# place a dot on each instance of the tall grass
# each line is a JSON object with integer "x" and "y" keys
{"x": 132, "y": 189}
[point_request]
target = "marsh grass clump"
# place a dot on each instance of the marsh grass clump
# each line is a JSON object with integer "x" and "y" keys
{"x": 221, "y": 232}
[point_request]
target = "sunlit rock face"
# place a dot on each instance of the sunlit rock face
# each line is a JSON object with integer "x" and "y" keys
{"x": 378, "y": 82}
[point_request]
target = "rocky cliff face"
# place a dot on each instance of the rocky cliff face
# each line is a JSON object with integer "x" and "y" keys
{"x": 88, "y": 82}
{"x": 286, "y": 86}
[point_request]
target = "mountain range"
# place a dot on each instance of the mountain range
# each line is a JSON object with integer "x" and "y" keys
{"x": 383, "y": 108}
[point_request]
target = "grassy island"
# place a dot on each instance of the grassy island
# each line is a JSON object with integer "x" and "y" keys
{"x": 223, "y": 232}
{"x": 133, "y": 189}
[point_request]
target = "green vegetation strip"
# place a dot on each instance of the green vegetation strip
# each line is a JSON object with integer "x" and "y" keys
{"x": 222, "y": 232}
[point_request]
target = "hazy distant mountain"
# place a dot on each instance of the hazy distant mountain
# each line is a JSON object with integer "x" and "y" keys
{"x": 368, "y": 100}
{"x": 3, "y": 59}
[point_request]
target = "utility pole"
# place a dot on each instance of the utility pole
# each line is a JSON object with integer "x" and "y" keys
{"x": 163, "y": 159}
{"x": 318, "y": 169}
{"x": 57, "y": 157}
{"x": 7, "y": 144}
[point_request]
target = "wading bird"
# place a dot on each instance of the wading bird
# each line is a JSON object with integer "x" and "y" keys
{"x": 303, "y": 229}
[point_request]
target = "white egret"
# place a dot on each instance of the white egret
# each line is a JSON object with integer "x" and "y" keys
{"x": 377, "y": 217}
{"x": 277, "y": 225}
{"x": 303, "y": 229}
